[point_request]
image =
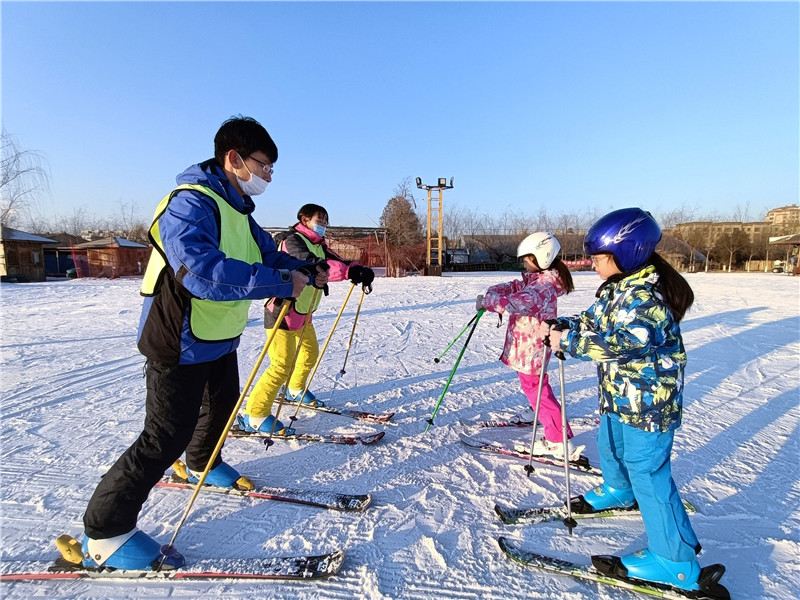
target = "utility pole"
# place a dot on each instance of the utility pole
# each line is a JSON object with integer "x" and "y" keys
{"x": 433, "y": 257}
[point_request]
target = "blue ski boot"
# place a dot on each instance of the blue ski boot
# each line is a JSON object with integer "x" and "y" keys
{"x": 134, "y": 550}
{"x": 648, "y": 566}
{"x": 224, "y": 476}
{"x": 252, "y": 424}
{"x": 307, "y": 398}
{"x": 603, "y": 497}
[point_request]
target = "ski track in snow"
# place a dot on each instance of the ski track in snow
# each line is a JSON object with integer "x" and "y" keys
{"x": 72, "y": 401}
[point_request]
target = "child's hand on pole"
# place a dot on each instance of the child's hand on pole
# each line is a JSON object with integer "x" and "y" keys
{"x": 299, "y": 282}
{"x": 543, "y": 331}
{"x": 479, "y": 302}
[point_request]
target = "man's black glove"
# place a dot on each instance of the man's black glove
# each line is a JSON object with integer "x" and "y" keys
{"x": 360, "y": 274}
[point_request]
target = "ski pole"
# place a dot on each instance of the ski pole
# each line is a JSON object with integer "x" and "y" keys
{"x": 478, "y": 316}
{"x": 322, "y": 352}
{"x": 342, "y": 371}
{"x": 455, "y": 339}
{"x": 568, "y": 521}
{"x": 545, "y": 359}
{"x": 282, "y": 393}
{"x": 169, "y": 547}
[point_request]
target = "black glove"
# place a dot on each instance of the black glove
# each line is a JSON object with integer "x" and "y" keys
{"x": 360, "y": 274}
{"x": 311, "y": 269}
{"x": 479, "y": 302}
{"x": 556, "y": 324}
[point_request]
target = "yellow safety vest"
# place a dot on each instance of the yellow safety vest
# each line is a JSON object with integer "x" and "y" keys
{"x": 307, "y": 301}
{"x": 209, "y": 320}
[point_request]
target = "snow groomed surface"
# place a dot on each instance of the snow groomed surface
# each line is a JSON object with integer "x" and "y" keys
{"x": 72, "y": 400}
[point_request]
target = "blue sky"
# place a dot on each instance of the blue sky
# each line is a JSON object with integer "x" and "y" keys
{"x": 562, "y": 106}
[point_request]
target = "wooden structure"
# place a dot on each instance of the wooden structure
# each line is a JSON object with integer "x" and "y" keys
{"x": 110, "y": 257}
{"x": 434, "y": 241}
{"x": 791, "y": 243}
{"x": 22, "y": 255}
{"x": 365, "y": 245}
{"x": 58, "y": 257}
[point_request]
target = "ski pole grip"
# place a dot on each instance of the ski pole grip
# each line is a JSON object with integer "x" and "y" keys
{"x": 557, "y": 326}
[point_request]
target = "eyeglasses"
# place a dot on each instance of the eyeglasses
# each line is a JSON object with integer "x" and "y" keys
{"x": 265, "y": 167}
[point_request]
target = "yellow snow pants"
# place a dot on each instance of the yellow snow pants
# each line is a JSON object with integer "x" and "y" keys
{"x": 281, "y": 352}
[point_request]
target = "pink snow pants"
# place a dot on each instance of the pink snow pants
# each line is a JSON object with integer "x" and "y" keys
{"x": 549, "y": 409}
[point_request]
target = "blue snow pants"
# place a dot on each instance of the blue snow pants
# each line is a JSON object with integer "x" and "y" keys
{"x": 638, "y": 459}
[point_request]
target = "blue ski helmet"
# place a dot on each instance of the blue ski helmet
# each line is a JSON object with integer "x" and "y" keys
{"x": 629, "y": 234}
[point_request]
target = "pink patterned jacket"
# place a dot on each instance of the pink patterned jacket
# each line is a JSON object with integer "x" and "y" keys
{"x": 527, "y": 303}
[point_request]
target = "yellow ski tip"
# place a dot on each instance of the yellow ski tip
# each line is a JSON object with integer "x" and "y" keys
{"x": 70, "y": 549}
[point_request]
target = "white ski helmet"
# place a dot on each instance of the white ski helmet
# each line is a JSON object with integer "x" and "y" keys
{"x": 543, "y": 245}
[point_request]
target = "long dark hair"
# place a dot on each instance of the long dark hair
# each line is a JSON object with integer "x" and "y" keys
{"x": 676, "y": 290}
{"x": 563, "y": 272}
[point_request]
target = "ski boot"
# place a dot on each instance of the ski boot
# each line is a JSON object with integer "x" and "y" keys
{"x": 223, "y": 475}
{"x": 524, "y": 416}
{"x": 651, "y": 567}
{"x": 603, "y": 497}
{"x": 307, "y": 398}
{"x": 685, "y": 577}
{"x": 556, "y": 449}
{"x": 133, "y": 551}
{"x": 253, "y": 424}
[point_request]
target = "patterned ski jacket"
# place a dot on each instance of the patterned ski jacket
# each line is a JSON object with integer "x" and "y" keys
{"x": 637, "y": 343}
{"x": 527, "y": 302}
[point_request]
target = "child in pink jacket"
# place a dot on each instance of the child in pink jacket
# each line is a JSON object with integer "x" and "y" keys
{"x": 527, "y": 303}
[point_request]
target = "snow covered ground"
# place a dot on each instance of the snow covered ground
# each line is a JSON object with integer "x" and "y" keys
{"x": 72, "y": 401}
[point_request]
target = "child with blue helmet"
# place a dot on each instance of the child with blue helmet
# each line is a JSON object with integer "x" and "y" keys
{"x": 632, "y": 331}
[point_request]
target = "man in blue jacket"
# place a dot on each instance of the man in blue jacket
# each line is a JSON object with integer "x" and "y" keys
{"x": 209, "y": 259}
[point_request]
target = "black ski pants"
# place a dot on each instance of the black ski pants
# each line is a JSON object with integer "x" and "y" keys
{"x": 187, "y": 409}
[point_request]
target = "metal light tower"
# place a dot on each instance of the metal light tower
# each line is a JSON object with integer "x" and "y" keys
{"x": 433, "y": 258}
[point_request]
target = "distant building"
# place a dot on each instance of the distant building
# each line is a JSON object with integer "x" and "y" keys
{"x": 785, "y": 216}
{"x": 22, "y": 255}
{"x": 710, "y": 231}
{"x": 58, "y": 256}
{"x": 456, "y": 256}
{"x": 110, "y": 257}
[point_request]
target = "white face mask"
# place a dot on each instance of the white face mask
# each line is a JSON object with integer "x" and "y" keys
{"x": 253, "y": 186}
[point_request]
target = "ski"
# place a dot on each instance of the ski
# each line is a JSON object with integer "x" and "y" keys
{"x": 542, "y": 514}
{"x": 284, "y": 567}
{"x": 359, "y": 415}
{"x": 709, "y": 576}
{"x": 576, "y": 422}
{"x": 349, "y": 440}
{"x": 582, "y": 464}
{"x": 318, "y": 498}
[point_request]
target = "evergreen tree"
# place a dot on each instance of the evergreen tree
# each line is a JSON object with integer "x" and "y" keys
{"x": 402, "y": 223}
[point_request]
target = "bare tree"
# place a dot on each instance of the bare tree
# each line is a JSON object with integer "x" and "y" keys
{"x": 129, "y": 223}
{"x": 741, "y": 213}
{"x": 22, "y": 176}
{"x": 77, "y": 222}
{"x": 732, "y": 244}
{"x": 671, "y": 218}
